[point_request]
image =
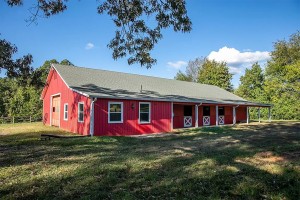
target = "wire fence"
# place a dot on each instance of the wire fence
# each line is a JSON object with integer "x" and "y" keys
{"x": 19, "y": 119}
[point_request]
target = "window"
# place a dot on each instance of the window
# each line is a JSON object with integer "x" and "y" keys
{"x": 206, "y": 111}
{"x": 144, "y": 113}
{"x": 188, "y": 110}
{"x": 221, "y": 111}
{"x": 66, "y": 111}
{"x": 115, "y": 112}
{"x": 80, "y": 112}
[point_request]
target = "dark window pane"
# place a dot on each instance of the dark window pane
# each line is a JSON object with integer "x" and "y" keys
{"x": 66, "y": 107}
{"x": 81, "y": 107}
{"x": 188, "y": 110}
{"x": 144, "y": 107}
{"x": 115, "y": 108}
{"x": 221, "y": 111}
{"x": 66, "y": 115}
{"x": 81, "y": 116}
{"x": 206, "y": 111}
{"x": 115, "y": 117}
{"x": 144, "y": 117}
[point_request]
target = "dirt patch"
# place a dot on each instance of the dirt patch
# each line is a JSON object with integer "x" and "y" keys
{"x": 269, "y": 157}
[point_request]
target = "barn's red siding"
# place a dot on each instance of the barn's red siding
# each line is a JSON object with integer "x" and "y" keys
{"x": 241, "y": 114}
{"x": 160, "y": 118}
{"x": 228, "y": 114}
{"x": 57, "y": 86}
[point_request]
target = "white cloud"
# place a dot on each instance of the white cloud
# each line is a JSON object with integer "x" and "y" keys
{"x": 89, "y": 46}
{"x": 236, "y": 59}
{"x": 177, "y": 64}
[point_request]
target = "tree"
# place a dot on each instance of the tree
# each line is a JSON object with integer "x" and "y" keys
{"x": 282, "y": 85}
{"x": 19, "y": 68}
{"x": 191, "y": 71}
{"x": 180, "y": 76}
{"x": 215, "y": 73}
{"x": 135, "y": 37}
{"x": 251, "y": 87}
{"x": 22, "y": 98}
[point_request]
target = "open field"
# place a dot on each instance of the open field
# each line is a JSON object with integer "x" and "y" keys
{"x": 256, "y": 161}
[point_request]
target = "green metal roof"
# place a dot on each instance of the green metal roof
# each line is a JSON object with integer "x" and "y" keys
{"x": 117, "y": 85}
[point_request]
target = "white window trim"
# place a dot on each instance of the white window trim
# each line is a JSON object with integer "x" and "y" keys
{"x": 148, "y": 122}
{"x": 66, "y": 119}
{"x": 79, "y": 111}
{"x": 115, "y": 122}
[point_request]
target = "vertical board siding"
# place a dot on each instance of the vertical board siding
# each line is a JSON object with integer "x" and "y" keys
{"x": 241, "y": 113}
{"x": 228, "y": 114}
{"x": 57, "y": 86}
{"x": 160, "y": 118}
{"x": 213, "y": 115}
{"x": 200, "y": 115}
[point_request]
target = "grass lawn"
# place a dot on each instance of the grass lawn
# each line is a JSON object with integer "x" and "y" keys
{"x": 256, "y": 161}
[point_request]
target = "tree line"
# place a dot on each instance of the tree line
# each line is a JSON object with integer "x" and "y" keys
{"x": 277, "y": 84}
{"x": 20, "y": 94}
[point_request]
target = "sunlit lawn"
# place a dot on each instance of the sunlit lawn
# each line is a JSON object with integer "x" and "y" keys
{"x": 259, "y": 161}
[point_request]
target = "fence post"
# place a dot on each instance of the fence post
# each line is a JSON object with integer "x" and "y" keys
{"x": 13, "y": 119}
{"x": 30, "y": 119}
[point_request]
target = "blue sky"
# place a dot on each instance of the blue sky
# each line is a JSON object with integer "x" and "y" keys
{"x": 237, "y": 31}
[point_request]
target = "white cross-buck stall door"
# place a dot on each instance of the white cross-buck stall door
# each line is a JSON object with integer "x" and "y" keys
{"x": 187, "y": 121}
{"x": 206, "y": 120}
{"x": 221, "y": 119}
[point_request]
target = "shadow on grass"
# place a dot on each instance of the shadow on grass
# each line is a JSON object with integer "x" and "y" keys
{"x": 221, "y": 162}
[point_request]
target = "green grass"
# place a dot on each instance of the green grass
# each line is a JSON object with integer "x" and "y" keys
{"x": 258, "y": 161}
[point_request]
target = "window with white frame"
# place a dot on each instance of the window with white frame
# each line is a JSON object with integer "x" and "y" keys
{"x": 144, "y": 112}
{"x": 66, "y": 111}
{"x": 80, "y": 112}
{"x": 115, "y": 112}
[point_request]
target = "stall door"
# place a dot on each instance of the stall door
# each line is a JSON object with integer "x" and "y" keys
{"x": 188, "y": 112}
{"x": 55, "y": 110}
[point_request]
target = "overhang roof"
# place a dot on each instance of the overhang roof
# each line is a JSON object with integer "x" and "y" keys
{"x": 116, "y": 85}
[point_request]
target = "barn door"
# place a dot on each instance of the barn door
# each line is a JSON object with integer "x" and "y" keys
{"x": 188, "y": 112}
{"x": 55, "y": 110}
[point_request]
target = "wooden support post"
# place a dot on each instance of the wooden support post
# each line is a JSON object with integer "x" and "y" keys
{"x": 259, "y": 114}
{"x": 247, "y": 115}
{"x": 234, "y": 116}
{"x": 269, "y": 114}
{"x": 13, "y": 119}
{"x": 196, "y": 116}
{"x": 217, "y": 115}
{"x": 30, "y": 119}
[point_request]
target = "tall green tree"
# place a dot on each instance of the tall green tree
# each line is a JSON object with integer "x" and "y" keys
{"x": 282, "y": 85}
{"x": 135, "y": 37}
{"x": 215, "y": 73}
{"x": 251, "y": 86}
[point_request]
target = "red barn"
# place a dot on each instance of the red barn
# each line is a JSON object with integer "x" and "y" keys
{"x": 99, "y": 102}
